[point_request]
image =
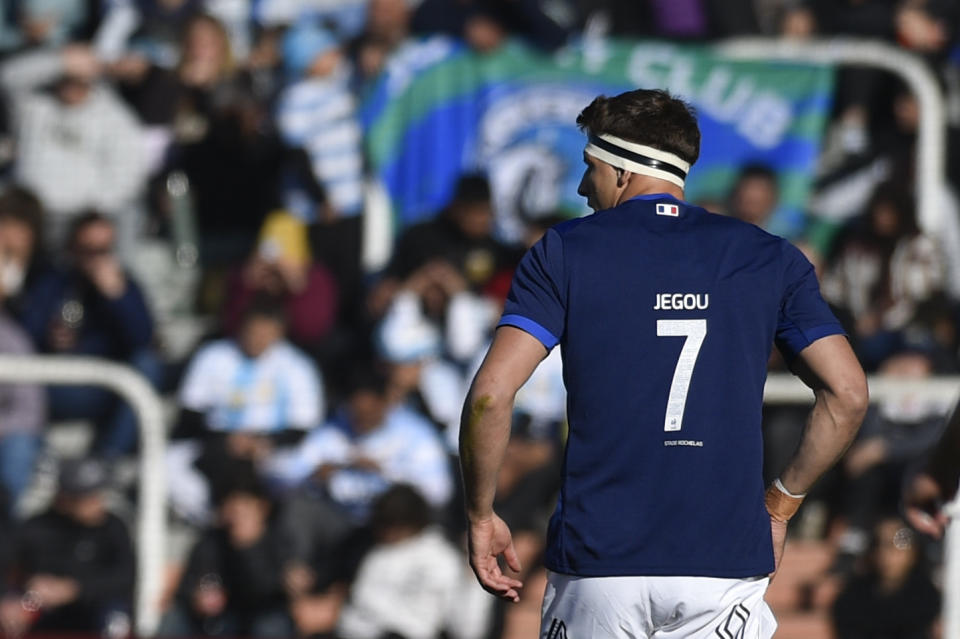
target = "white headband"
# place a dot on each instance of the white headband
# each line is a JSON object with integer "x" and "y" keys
{"x": 638, "y": 158}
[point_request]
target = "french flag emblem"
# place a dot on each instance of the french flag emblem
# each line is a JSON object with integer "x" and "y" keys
{"x": 668, "y": 209}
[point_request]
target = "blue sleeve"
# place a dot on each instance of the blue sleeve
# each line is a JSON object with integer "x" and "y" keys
{"x": 537, "y": 299}
{"x": 804, "y": 316}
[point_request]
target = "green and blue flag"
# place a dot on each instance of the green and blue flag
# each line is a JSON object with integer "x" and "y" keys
{"x": 441, "y": 109}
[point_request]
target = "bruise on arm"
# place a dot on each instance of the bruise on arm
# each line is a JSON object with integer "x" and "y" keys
{"x": 487, "y": 411}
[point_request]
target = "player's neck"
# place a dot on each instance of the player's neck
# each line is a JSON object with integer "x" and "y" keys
{"x": 644, "y": 185}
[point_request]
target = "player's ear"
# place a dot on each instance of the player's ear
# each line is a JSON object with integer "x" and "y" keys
{"x": 623, "y": 177}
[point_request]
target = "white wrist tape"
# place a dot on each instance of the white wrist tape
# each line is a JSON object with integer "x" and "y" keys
{"x": 780, "y": 487}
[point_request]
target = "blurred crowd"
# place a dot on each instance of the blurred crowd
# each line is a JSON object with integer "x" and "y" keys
{"x": 315, "y": 411}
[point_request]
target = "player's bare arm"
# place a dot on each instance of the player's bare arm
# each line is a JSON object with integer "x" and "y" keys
{"x": 831, "y": 369}
{"x": 484, "y": 433}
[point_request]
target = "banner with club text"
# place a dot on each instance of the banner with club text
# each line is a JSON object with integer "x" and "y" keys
{"x": 441, "y": 109}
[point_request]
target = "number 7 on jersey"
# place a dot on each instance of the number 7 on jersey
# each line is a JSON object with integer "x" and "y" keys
{"x": 695, "y": 330}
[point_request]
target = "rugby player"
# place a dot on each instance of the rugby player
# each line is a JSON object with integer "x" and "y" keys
{"x": 666, "y": 315}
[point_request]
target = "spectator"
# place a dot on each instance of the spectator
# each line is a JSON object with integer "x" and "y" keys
{"x": 339, "y": 471}
{"x": 935, "y": 483}
{"x": 387, "y": 28}
{"x": 437, "y": 299}
{"x": 420, "y": 376}
{"x": 73, "y": 566}
{"x": 755, "y": 195}
{"x": 924, "y": 27}
{"x": 407, "y": 551}
{"x": 461, "y": 236}
{"x": 22, "y": 406}
{"x": 182, "y": 95}
{"x": 367, "y": 447}
{"x": 78, "y": 147}
{"x": 225, "y": 142}
{"x": 93, "y": 307}
{"x": 894, "y": 598}
{"x": 233, "y": 585}
{"x": 881, "y": 269}
{"x": 894, "y": 436}
{"x": 248, "y": 398}
{"x": 935, "y": 328}
{"x": 153, "y": 27}
{"x": 324, "y": 553}
{"x": 867, "y": 145}
{"x": 281, "y": 268}
{"x": 486, "y": 24}
{"x": 174, "y": 85}
{"x": 317, "y": 112}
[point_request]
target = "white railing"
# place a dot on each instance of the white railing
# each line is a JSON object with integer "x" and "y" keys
{"x": 783, "y": 388}
{"x": 151, "y": 535}
{"x": 931, "y": 143}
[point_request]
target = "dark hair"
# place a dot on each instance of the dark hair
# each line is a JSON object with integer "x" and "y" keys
{"x": 756, "y": 170}
{"x": 901, "y": 200}
{"x": 19, "y": 204}
{"x": 472, "y": 188}
{"x": 366, "y": 376}
{"x": 646, "y": 116}
{"x": 82, "y": 221}
{"x": 218, "y": 26}
{"x": 401, "y": 505}
{"x": 266, "y": 306}
{"x": 237, "y": 476}
{"x": 544, "y": 221}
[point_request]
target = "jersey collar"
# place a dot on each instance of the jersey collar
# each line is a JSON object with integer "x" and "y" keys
{"x": 655, "y": 196}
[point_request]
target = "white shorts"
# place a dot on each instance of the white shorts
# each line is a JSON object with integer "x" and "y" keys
{"x": 655, "y": 608}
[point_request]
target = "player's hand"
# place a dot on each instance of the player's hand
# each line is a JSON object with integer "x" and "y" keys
{"x": 778, "y": 529}
{"x": 922, "y": 502}
{"x": 488, "y": 539}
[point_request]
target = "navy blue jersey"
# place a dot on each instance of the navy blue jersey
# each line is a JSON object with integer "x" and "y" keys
{"x": 665, "y": 314}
